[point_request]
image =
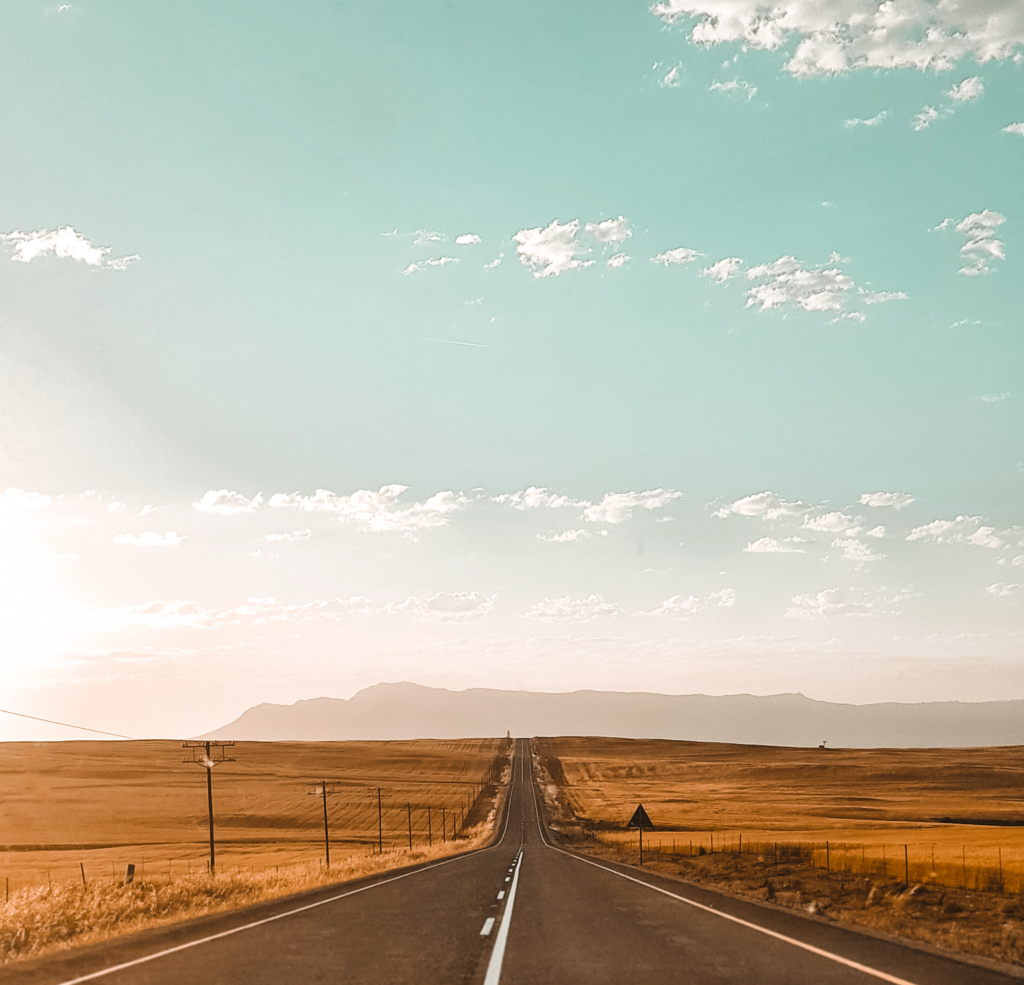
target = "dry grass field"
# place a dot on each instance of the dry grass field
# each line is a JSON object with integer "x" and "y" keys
{"x": 926, "y": 843}
{"x": 69, "y": 806}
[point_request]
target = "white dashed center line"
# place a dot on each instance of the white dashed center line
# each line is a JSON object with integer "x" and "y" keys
{"x": 487, "y": 927}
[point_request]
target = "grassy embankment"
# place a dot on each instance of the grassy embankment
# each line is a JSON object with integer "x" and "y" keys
{"x": 832, "y": 832}
{"x": 89, "y": 808}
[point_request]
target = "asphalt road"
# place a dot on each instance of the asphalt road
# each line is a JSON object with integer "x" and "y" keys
{"x": 522, "y": 912}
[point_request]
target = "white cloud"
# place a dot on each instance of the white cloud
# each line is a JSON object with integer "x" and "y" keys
{"x": 66, "y": 243}
{"x": 925, "y": 118}
{"x": 496, "y": 262}
{"x": 565, "y": 537}
{"x": 681, "y": 254}
{"x": 671, "y": 79}
{"x": 981, "y": 247}
{"x": 962, "y": 530}
{"x": 467, "y": 239}
{"x": 1003, "y": 589}
{"x": 722, "y": 270}
{"x": 769, "y": 545}
{"x": 424, "y": 237}
{"x": 372, "y": 511}
{"x": 787, "y": 282}
{"x": 447, "y": 607}
{"x": 878, "y": 532}
{"x": 968, "y": 90}
{"x": 569, "y": 609}
{"x": 736, "y": 87}
{"x": 294, "y": 535}
{"x": 619, "y": 260}
{"x": 682, "y": 607}
{"x": 1017, "y": 128}
{"x": 610, "y": 230}
{"x": 880, "y": 297}
{"x": 430, "y": 262}
{"x": 149, "y": 539}
{"x": 616, "y": 507}
{"x": 551, "y": 250}
{"x": 843, "y": 602}
{"x": 993, "y": 398}
{"x": 856, "y": 550}
{"x": 227, "y": 503}
{"x": 894, "y": 499}
{"x": 535, "y": 497}
{"x": 871, "y": 121}
{"x": 837, "y": 36}
{"x": 766, "y": 505}
{"x": 831, "y": 523}
{"x": 19, "y": 499}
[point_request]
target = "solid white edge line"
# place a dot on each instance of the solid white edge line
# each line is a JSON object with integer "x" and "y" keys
{"x": 488, "y": 926}
{"x": 820, "y": 952}
{"x": 493, "y": 975}
{"x": 288, "y": 913}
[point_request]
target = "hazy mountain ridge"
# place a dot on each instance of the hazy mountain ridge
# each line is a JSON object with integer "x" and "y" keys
{"x": 412, "y": 711}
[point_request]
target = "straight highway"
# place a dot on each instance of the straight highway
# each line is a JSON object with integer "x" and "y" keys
{"x": 522, "y": 912}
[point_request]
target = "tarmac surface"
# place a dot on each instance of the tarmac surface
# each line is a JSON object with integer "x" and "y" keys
{"x": 522, "y": 912}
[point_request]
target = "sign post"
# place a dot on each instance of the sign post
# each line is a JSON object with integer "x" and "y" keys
{"x": 640, "y": 820}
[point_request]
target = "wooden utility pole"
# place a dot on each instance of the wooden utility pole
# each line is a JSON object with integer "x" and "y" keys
{"x": 209, "y": 754}
{"x": 380, "y": 826}
{"x": 408, "y": 808}
{"x": 321, "y": 788}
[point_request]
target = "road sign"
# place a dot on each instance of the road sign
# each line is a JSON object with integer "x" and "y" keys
{"x": 640, "y": 818}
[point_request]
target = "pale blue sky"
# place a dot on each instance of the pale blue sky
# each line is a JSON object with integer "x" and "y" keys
{"x": 284, "y": 171}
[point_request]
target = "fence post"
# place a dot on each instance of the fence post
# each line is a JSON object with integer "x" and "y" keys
{"x": 963, "y": 855}
{"x": 906, "y": 866}
{"x": 828, "y": 859}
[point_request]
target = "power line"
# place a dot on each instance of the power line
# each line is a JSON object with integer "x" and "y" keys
{"x": 50, "y": 721}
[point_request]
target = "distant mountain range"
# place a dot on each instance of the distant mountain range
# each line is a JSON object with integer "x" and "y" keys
{"x": 411, "y": 711}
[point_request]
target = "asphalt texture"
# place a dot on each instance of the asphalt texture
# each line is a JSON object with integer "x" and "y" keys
{"x": 549, "y": 916}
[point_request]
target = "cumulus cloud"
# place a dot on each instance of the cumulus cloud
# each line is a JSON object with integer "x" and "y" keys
{"x": 430, "y": 262}
{"x": 844, "y": 602}
{"x": 994, "y": 398}
{"x": 1017, "y": 128}
{"x": 225, "y": 502}
{"x": 1003, "y": 589}
{"x": 766, "y": 505}
{"x": 616, "y": 507}
{"x": 671, "y": 79}
{"x": 681, "y": 607}
{"x": 569, "y": 609}
{"x": 735, "y": 87}
{"x": 467, "y": 239}
{"x": 722, "y": 270}
{"x": 424, "y": 237}
{"x": 856, "y": 550}
{"x": 967, "y": 91}
{"x": 982, "y": 246}
{"x": 619, "y": 260}
{"x": 496, "y": 262}
{"x": 880, "y": 297}
{"x": 769, "y": 545}
{"x": 149, "y": 539}
{"x": 446, "y": 607}
{"x": 877, "y": 532}
{"x": 831, "y": 523}
{"x": 894, "y": 499}
{"x": 681, "y": 254}
{"x": 66, "y": 243}
{"x": 372, "y": 511}
{"x": 553, "y": 249}
{"x": 871, "y": 121}
{"x": 294, "y": 535}
{"x": 838, "y": 36}
{"x": 610, "y": 230}
{"x": 925, "y": 118}
{"x": 535, "y": 497}
{"x": 19, "y": 499}
{"x": 565, "y": 537}
{"x": 785, "y": 281}
{"x": 962, "y": 530}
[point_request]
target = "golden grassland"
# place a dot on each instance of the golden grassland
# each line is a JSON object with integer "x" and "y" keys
{"x": 74, "y": 814}
{"x": 924, "y": 843}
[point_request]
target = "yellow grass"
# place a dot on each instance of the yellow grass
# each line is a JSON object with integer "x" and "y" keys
{"x": 866, "y": 804}
{"x": 92, "y": 807}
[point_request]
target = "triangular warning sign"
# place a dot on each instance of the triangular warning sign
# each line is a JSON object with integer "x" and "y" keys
{"x": 640, "y": 818}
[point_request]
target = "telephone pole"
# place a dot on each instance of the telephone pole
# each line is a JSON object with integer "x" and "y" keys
{"x": 209, "y": 754}
{"x": 321, "y": 788}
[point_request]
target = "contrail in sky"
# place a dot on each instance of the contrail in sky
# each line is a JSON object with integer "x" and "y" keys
{"x": 476, "y": 345}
